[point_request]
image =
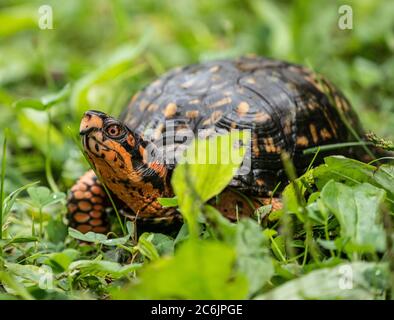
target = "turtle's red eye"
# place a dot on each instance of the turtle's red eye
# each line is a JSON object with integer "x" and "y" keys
{"x": 114, "y": 130}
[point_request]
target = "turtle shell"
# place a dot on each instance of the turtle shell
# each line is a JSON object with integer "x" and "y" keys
{"x": 286, "y": 106}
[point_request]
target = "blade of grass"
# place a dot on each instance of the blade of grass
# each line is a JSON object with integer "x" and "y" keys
{"x": 334, "y": 146}
{"x": 48, "y": 169}
{"x": 3, "y": 162}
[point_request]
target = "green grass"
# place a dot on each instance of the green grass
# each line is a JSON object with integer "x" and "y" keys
{"x": 97, "y": 56}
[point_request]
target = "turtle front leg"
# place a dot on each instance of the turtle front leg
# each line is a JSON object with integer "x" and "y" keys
{"x": 234, "y": 205}
{"x": 86, "y": 205}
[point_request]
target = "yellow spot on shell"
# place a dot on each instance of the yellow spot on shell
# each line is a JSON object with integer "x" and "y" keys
{"x": 158, "y": 131}
{"x": 215, "y": 117}
{"x": 262, "y": 117}
{"x": 270, "y": 147}
{"x": 143, "y": 105}
{"x": 214, "y": 69}
{"x": 250, "y": 80}
{"x": 195, "y": 101}
{"x": 135, "y": 97}
{"x": 325, "y": 134}
{"x": 312, "y": 129}
{"x": 192, "y": 114}
{"x": 221, "y": 102}
{"x": 170, "y": 110}
{"x": 188, "y": 83}
{"x": 302, "y": 141}
{"x": 242, "y": 108}
{"x": 153, "y": 107}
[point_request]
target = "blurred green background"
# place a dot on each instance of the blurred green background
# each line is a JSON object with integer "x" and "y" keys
{"x": 106, "y": 50}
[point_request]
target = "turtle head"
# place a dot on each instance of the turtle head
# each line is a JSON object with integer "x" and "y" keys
{"x": 124, "y": 161}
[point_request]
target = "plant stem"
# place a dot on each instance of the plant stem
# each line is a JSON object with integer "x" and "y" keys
{"x": 48, "y": 169}
{"x": 3, "y": 162}
{"x": 40, "y": 217}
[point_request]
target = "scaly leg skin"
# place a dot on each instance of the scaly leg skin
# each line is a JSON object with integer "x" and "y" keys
{"x": 233, "y": 204}
{"x": 86, "y": 205}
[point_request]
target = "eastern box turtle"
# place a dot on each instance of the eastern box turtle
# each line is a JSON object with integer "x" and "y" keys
{"x": 286, "y": 106}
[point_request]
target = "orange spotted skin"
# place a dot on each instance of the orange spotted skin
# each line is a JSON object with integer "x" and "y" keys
{"x": 86, "y": 205}
{"x": 121, "y": 161}
{"x": 287, "y": 107}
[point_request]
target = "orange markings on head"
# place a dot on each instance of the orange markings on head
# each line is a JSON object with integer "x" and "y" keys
{"x": 90, "y": 121}
{"x": 130, "y": 140}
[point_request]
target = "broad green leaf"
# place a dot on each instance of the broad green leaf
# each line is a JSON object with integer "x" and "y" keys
{"x": 168, "y": 202}
{"x": 88, "y": 237}
{"x": 344, "y": 170}
{"x": 250, "y": 243}
{"x": 29, "y": 274}
{"x": 34, "y": 125}
{"x": 42, "y": 196}
{"x": 350, "y": 281}
{"x": 358, "y": 211}
{"x": 384, "y": 176}
{"x": 97, "y": 237}
{"x": 56, "y": 230}
{"x": 11, "y": 198}
{"x": 11, "y": 285}
{"x": 163, "y": 244}
{"x": 199, "y": 270}
{"x": 253, "y": 258}
{"x": 16, "y": 19}
{"x": 206, "y": 169}
{"x": 6, "y": 242}
{"x": 45, "y": 102}
{"x": 102, "y": 268}
{"x": 30, "y": 103}
{"x": 117, "y": 64}
{"x": 59, "y": 261}
{"x": 146, "y": 247}
{"x": 351, "y": 172}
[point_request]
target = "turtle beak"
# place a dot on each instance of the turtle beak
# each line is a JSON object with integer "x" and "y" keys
{"x": 91, "y": 120}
